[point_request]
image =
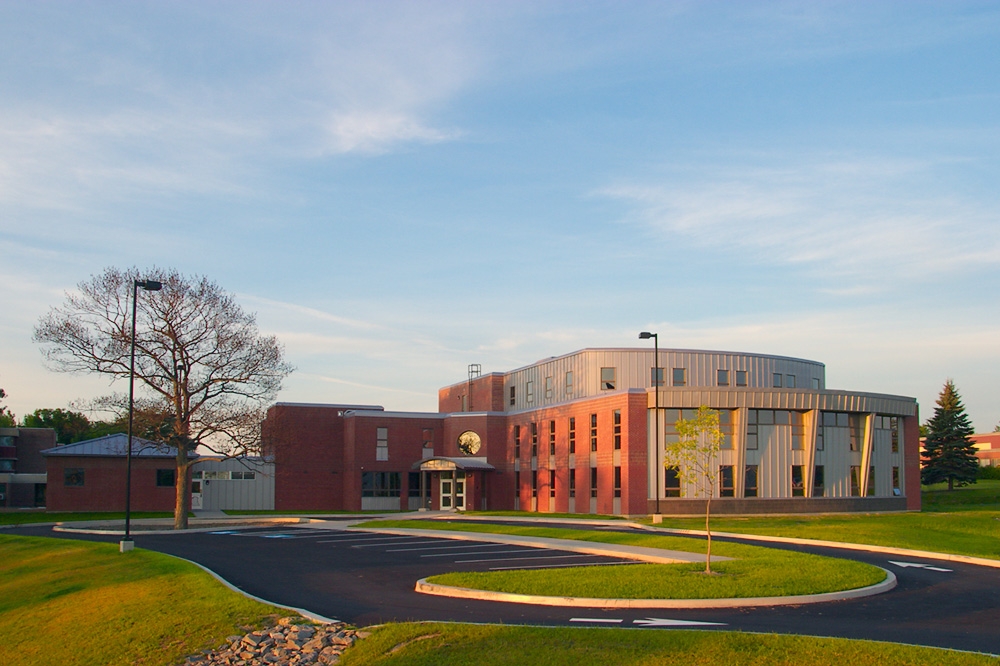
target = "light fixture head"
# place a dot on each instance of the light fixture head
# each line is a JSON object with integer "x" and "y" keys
{"x": 150, "y": 285}
{"x": 646, "y": 335}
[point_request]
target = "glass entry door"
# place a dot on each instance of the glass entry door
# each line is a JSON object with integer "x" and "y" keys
{"x": 452, "y": 490}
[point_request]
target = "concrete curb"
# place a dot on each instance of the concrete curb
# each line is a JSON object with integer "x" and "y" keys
{"x": 216, "y": 524}
{"x": 423, "y": 587}
{"x": 888, "y": 550}
{"x": 638, "y": 553}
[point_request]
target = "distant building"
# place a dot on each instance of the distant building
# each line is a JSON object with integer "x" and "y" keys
{"x": 22, "y": 466}
{"x": 988, "y": 449}
{"x": 575, "y": 433}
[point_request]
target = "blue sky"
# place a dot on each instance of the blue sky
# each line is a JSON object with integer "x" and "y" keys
{"x": 401, "y": 189}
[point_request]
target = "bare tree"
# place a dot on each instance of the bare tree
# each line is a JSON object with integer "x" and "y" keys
{"x": 694, "y": 457}
{"x": 200, "y": 360}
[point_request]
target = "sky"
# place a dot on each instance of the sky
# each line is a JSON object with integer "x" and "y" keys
{"x": 400, "y": 189}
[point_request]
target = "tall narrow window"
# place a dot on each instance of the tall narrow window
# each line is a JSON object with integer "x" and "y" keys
{"x": 548, "y": 388}
{"x": 513, "y": 394}
{"x": 741, "y": 377}
{"x": 855, "y": 481}
{"x": 381, "y": 444}
{"x": 722, "y": 378}
{"x": 680, "y": 376}
{"x": 552, "y": 438}
{"x": 798, "y": 483}
{"x": 671, "y": 482}
{"x": 857, "y": 429}
{"x": 534, "y": 483}
{"x": 552, "y": 483}
{"x": 608, "y": 381}
{"x": 593, "y": 482}
{"x": 572, "y": 434}
{"x": 896, "y": 489}
{"x": 517, "y": 441}
{"x": 726, "y": 428}
{"x": 517, "y": 485}
{"x": 871, "y": 481}
{"x": 726, "y": 486}
{"x": 789, "y": 381}
{"x": 819, "y": 481}
{"x": 797, "y": 421}
{"x": 815, "y": 383}
{"x": 593, "y": 432}
{"x": 572, "y": 483}
{"x": 750, "y": 481}
{"x": 534, "y": 440}
{"x": 618, "y": 481}
{"x": 618, "y": 428}
{"x": 656, "y": 375}
{"x": 569, "y": 382}
{"x": 776, "y": 383}
{"x": 529, "y": 392}
{"x": 751, "y": 430}
{"x": 894, "y": 427}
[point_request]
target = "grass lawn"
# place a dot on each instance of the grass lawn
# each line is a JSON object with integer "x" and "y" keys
{"x": 965, "y": 521}
{"x": 76, "y": 602}
{"x": 487, "y": 645}
{"x": 757, "y": 571}
{"x": 30, "y": 516}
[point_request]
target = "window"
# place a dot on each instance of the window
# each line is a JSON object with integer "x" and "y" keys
{"x": 896, "y": 489}
{"x": 741, "y": 377}
{"x": 593, "y": 482}
{"x": 552, "y": 483}
{"x": 517, "y": 486}
{"x": 722, "y": 378}
{"x": 428, "y": 437}
{"x": 871, "y": 481}
{"x": 534, "y": 483}
{"x": 855, "y": 481}
{"x": 618, "y": 481}
{"x": 680, "y": 376}
{"x": 726, "y": 487}
{"x": 552, "y": 438}
{"x": 529, "y": 392}
{"x": 777, "y": 380}
{"x": 797, "y": 421}
{"x": 798, "y": 483}
{"x": 513, "y": 394}
{"x": 413, "y": 484}
{"x": 750, "y": 481}
{"x": 671, "y": 482}
{"x": 464, "y": 400}
{"x": 534, "y": 440}
{"x": 73, "y": 476}
{"x": 617, "y": 420}
{"x": 517, "y": 441}
{"x": 819, "y": 481}
{"x": 751, "y": 430}
{"x": 726, "y": 428}
{"x": 789, "y": 381}
{"x": 572, "y": 434}
{"x": 380, "y": 484}
{"x": 815, "y": 383}
{"x": 593, "y": 432}
{"x": 857, "y": 431}
{"x": 572, "y": 483}
{"x": 569, "y": 382}
{"x": 381, "y": 444}
{"x": 608, "y": 381}
{"x": 656, "y": 376}
{"x": 195, "y": 487}
{"x": 7, "y": 465}
{"x": 165, "y": 478}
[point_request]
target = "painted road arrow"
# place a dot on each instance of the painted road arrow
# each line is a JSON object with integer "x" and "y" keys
{"x": 660, "y": 622}
{"x": 919, "y": 566}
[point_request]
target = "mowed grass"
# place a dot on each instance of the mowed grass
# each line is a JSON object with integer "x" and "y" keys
{"x": 81, "y": 603}
{"x": 755, "y": 571}
{"x": 488, "y": 645}
{"x": 28, "y": 517}
{"x": 965, "y": 521}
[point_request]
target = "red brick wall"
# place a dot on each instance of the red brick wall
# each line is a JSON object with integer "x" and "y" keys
{"x": 911, "y": 460}
{"x": 104, "y": 484}
{"x": 487, "y": 395}
{"x": 307, "y": 442}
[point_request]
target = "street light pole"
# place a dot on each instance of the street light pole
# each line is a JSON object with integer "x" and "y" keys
{"x": 646, "y": 335}
{"x": 126, "y": 544}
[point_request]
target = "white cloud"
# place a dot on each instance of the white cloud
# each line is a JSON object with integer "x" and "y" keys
{"x": 378, "y": 132}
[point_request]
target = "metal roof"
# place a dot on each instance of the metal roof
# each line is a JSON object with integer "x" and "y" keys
{"x": 115, "y": 446}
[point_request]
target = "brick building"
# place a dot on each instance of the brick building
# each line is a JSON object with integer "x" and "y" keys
{"x": 575, "y": 433}
{"x": 22, "y": 466}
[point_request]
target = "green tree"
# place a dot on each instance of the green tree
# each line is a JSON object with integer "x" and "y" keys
{"x": 70, "y": 426}
{"x": 7, "y": 419}
{"x": 949, "y": 455}
{"x": 694, "y": 457}
{"x": 201, "y": 364}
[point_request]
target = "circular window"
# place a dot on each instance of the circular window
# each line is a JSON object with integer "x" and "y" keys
{"x": 469, "y": 442}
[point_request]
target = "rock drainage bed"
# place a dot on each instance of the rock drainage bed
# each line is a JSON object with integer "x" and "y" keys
{"x": 291, "y": 641}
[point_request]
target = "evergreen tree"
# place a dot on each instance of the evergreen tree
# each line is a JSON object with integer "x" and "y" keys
{"x": 949, "y": 455}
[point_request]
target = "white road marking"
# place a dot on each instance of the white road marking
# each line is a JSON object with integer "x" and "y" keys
{"x": 511, "y": 559}
{"x": 661, "y": 622}
{"x": 595, "y": 620}
{"x": 466, "y": 545}
{"x": 556, "y": 566}
{"x": 917, "y": 565}
{"x": 494, "y": 552}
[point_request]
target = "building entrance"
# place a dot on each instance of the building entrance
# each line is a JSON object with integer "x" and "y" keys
{"x": 452, "y": 490}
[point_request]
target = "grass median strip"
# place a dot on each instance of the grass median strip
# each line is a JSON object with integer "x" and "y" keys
{"x": 487, "y": 645}
{"x": 81, "y": 603}
{"x": 754, "y": 572}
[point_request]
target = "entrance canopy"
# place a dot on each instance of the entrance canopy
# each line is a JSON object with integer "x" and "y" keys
{"x": 441, "y": 464}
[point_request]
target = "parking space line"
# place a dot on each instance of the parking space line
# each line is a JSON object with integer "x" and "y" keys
{"x": 357, "y": 539}
{"x": 510, "y": 559}
{"x": 557, "y": 566}
{"x": 496, "y": 552}
{"x": 465, "y": 545}
{"x": 379, "y": 545}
